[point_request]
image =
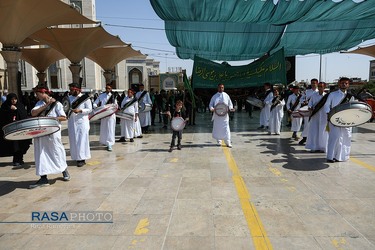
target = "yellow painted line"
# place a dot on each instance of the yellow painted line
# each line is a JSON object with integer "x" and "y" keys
{"x": 363, "y": 164}
{"x": 258, "y": 234}
{"x": 93, "y": 163}
{"x": 338, "y": 243}
{"x": 142, "y": 227}
{"x": 173, "y": 160}
{"x": 275, "y": 171}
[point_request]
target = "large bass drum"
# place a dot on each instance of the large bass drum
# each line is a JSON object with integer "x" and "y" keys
{"x": 31, "y": 128}
{"x": 123, "y": 115}
{"x": 144, "y": 107}
{"x": 304, "y": 111}
{"x": 221, "y": 109}
{"x": 66, "y": 104}
{"x": 178, "y": 123}
{"x": 350, "y": 114}
{"x": 255, "y": 102}
{"x": 103, "y": 111}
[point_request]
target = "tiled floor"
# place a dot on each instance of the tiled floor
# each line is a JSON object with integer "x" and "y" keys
{"x": 196, "y": 198}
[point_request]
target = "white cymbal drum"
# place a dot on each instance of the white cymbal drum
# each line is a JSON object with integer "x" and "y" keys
{"x": 221, "y": 109}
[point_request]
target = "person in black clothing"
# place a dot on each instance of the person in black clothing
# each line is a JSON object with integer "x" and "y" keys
{"x": 178, "y": 112}
{"x": 190, "y": 108}
{"x": 164, "y": 107}
{"x": 12, "y": 110}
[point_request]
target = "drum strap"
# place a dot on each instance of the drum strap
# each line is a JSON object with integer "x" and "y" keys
{"x": 78, "y": 102}
{"x": 267, "y": 93}
{"x": 295, "y": 103}
{"x": 141, "y": 96}
{"x": 319, "y": 105}
{"x": 275, "y": 101}
{"x": 111, "y": 99}
{"x": 128, "y": 104}
{"x": 47, "y": 110}
{"x": 51, "y": 107}
{"x": 346, "y": 98}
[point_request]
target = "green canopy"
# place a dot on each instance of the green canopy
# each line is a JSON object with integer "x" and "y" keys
{"x": 235, "y": 30}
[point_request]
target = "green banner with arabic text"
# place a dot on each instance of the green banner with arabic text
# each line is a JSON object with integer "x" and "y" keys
{"x": 207, "y": 74}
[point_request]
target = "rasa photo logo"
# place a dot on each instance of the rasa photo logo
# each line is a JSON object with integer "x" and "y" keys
{"x": 72, "y": 217}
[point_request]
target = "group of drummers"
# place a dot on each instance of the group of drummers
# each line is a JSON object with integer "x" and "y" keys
{"x": 45, "y": 126}
{"x": 327, "y": 118}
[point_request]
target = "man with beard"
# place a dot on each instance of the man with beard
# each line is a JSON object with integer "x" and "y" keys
{"x": 79, "y": 125}
{"x": 107, "y": 124}
{"x": 49, "y": 152}
{"x": 266, "y": 110}
{"x": 221, "y": 129}
{"x": 339, "y": 138}
{"x": 144, "y": 99}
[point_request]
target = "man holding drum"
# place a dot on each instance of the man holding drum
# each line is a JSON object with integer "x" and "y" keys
{"x": 221, "y": 130}
{"x": 305, "y": 100}
{"x": 144, "y": 99}
{"x": 129, "y": 116}
{"x": 49, "y": 152}
{"x": 79, "y": 125}
{"x": 317, "y": 135}
{"x": 293, "y": 104}
{"x": 107, "y": 124}
{"x": 339, "y": 138}
{"x": 266, "y": 110}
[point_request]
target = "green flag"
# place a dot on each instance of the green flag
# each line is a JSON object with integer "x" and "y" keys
{"x": 207, "y": 74}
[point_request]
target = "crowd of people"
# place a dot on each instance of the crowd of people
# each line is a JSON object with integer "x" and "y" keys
{"x": 137, "y": 112}
{"x": 309, "y": 109}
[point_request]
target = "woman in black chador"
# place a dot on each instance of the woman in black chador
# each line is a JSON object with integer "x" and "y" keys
{"x": 10, "y": 111}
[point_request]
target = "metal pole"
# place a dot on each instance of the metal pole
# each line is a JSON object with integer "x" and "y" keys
{"x": 320, "y": 67}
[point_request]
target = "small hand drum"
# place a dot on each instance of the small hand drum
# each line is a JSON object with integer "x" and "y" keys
{"x": 221, "y": 109}
{"x": 178, "y": 123}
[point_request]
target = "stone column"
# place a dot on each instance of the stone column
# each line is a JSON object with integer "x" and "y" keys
{"x": 108, "y": 76}
{"x": 41, "y": 76}
{"x": 12, "y": 56}
{"x": 75, "y": 68}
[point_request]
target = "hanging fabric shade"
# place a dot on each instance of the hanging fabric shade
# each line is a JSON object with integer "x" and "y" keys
{"x": 242, "y": 30}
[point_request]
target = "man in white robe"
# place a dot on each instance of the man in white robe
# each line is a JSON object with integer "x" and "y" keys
{"x": 107, "y": 124}
{"x": 292, "y": 105}
{"x": 79, "y": 126}
{"x": 317, "y": 136}
{"x": 221, "y": 130}
{"x": 339, "y": 138}
{"x": 49, "y": 152}
{"x": 128, "y": 125}
{"x": 144, "y": 98}
{"x": 305, "y": 100}
{"x": 277, "y": 113}
{"x": 266, "y": 110}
